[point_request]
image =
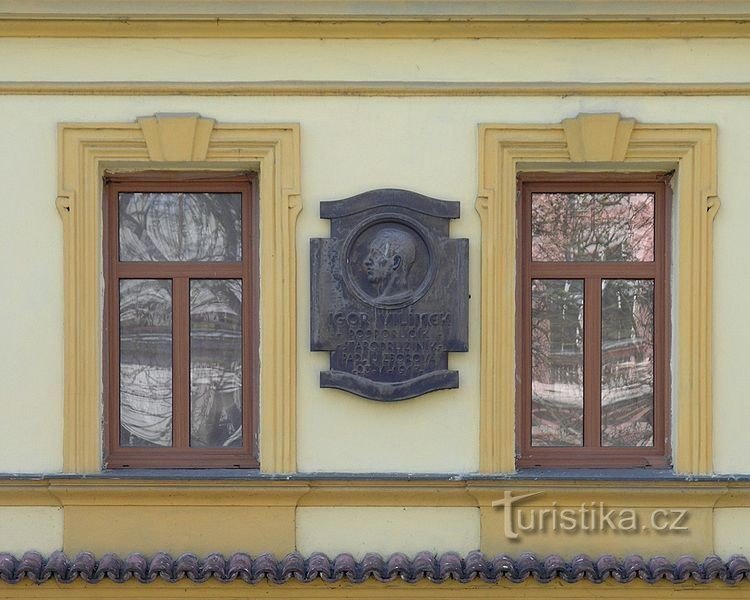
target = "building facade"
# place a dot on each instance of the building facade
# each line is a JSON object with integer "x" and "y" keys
{"x": 174, "y": 424}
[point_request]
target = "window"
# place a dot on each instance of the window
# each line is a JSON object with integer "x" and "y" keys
{"x": 181, "y": 310}
{"x": 185, "y": 142}
{"x": 593, "y": 345}
{"x": 619, "y": 144}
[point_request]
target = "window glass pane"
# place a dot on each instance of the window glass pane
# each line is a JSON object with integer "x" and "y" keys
{"x": 627, "y": 362}
{"x": 216, "y": 362}
{"x": 145, "y": 362}
{"x": 180, "y": 227}
{"x": 557, "y": 362}
{"x": 592, "y": 227}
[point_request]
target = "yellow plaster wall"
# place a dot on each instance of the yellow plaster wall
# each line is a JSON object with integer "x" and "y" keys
{"x": 179, "y": 529}
{"x": 25, "y": 528}
{"x": 365, "y": 60}
{"x": 385, "y": 530}
{"x": 31, "y": 295}
{"x": 731, "y": 531}
{"x": 349, "y": 145}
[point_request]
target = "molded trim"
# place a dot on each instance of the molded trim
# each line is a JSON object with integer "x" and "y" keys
{"x": 507, "y": 150}
{"x": 180, "y": 142}
{"x": 369, "y": 88}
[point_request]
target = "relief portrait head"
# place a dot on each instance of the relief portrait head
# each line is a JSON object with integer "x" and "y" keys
{"x": 388, "y": 264}
{"x": 389, "y": 260}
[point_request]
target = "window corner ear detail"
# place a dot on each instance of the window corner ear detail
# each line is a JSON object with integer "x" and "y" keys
{"x": 176, "y": 137}
{"x": 63, "y": 203}
{"x": 713, "y": 203}
{"x": 482, "y": 203}
{"x": 598, "y": 137}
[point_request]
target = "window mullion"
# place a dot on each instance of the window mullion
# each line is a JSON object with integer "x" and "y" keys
{"x": 181, "y": 362}
{"x": 592, "y": 311}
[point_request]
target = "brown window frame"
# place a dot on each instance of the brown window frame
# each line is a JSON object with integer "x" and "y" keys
{"x": 591, "y": 454}
{"x": 180, "y": 454}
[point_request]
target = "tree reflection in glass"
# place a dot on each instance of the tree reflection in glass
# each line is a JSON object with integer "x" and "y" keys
{"x": 627, "y": 362}
{"x": 557, "y": 362}
{"x": 180, "y": 226}
{"x": 145, "y": 362}
{"x": 577, "y": 227}
{"x": 216, "y": 363}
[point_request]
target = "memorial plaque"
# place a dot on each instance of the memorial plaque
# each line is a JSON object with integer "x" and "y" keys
{"x": 389, "y": 294}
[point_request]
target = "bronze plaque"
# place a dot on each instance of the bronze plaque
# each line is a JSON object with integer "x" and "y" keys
{"x": 389, "y": 295}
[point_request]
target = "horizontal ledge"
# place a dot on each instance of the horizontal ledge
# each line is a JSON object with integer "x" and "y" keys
{"x": 335, "y": 478}
{"x": 99, "y": 491}
{"x": 381, "y": 9}
{"x": 166, "y": 494}
{"x": 379, "y": 26}
{"x": 368, "y": 88}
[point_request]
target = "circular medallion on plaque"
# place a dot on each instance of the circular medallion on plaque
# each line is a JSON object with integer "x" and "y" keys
{"x": 388, "y": 261}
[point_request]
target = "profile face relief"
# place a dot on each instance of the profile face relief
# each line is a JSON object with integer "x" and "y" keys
{"x": 390, "y": 258}
{"x": 376, "y": 265}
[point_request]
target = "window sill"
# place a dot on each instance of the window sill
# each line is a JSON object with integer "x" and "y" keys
{"x": 601, "y": 474}
{"x": 392, "y": 479}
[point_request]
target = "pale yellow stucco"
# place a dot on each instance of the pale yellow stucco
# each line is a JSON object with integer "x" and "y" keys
{"x": 31, "y": 350}
{"x": 374, "y": 60}
{"x": 349, "y": 145}
{"x": 731, "y": 531}
{"x": 428, "y": 145}
{"x": 37, "y": 528}
{"x": 225, "y": 529}
{"x": 358, "y": 530}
